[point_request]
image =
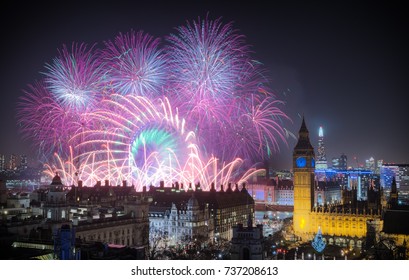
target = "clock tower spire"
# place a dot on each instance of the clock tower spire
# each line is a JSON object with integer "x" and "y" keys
{"x": 303, "y": 168}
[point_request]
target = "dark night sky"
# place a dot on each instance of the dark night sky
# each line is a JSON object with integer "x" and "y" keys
{"x": 344, "y": 65}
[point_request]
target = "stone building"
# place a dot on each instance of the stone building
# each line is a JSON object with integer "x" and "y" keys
{"x": 247, "y": 242}
{"x": 327, "y": 192}
{"x": 284, "y": 192}
{"x": 126, "y": 225}
{"x": 225, "y": 208}
{"x": 182, "y": 223}
{"x": 130, "y": 228}
{"x": 100, "y": 195}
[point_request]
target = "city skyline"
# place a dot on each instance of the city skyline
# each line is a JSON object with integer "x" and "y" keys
{"x": 333, "y": 64}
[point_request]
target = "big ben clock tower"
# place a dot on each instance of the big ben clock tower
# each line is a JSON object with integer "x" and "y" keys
{"x": 303, "y": 168}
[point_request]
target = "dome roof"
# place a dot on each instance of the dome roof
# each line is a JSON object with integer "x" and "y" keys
{"x": 193, "y": 202}
{"x": 56, "y": 180}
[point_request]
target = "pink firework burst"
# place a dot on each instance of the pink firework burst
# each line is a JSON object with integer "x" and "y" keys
{"x": 217, "y": 86}
{"x": 135, "y": 65}
{"x": 47, "y": 124}
{"x": 74, "y": 78}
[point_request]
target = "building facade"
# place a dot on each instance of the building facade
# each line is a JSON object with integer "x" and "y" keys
{"x": 181, "y": 223}
{"x": 247, "y": 242}
{"x": 129, "y": 229}
{"x": 360, "y": 179}
{"x": 227, "y": 207}
{"x": 284, "y": 192}
{"x": 399, "y": 172}
{"x": 327, "y": 193}
{"x": 96, "y": 221}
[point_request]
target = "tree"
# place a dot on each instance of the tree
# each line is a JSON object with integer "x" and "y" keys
{"x": 158, "y": 241}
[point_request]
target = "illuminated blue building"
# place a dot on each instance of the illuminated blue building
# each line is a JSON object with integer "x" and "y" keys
{"x": 359, "y": 179}
{"x": 400, "y": 172}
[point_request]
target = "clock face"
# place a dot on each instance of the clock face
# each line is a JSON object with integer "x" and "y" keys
{"x": 301, "y": 162}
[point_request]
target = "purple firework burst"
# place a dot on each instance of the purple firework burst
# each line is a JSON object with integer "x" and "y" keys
{"x": 206, "y": 60}
{"x": 217, "y": 85}
{"x": 74, "y": 78}
{"x": 46, "y": 123}
{"x": 136, "y": 65}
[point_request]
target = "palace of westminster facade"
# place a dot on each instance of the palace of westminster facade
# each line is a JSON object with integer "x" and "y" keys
{"x": 351, "y": 219}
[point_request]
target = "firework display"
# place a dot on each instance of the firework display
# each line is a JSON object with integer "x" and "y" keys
{"x": 196, "y": 110}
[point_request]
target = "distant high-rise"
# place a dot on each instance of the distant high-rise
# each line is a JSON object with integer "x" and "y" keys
{"x": 13, "y": 162}
{"x": 340, "y": 163}
{"x": 392, "y": 170}
{"x": 399, "y": 172}
{"x": 321, "y": 157}
{"x": 370, "y": 164}
{"x": 343, "y": 162}
{"x": 23, "y": 162}
{"x": 2, "y": 163}
{"x": 335, "y": 163}
{"x": 379, "y": 164}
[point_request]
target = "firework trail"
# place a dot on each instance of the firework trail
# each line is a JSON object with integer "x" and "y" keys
{"x": 137, "y": 138}
{"x": 136, "y": 65}
{"x": 194, "y": 171}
